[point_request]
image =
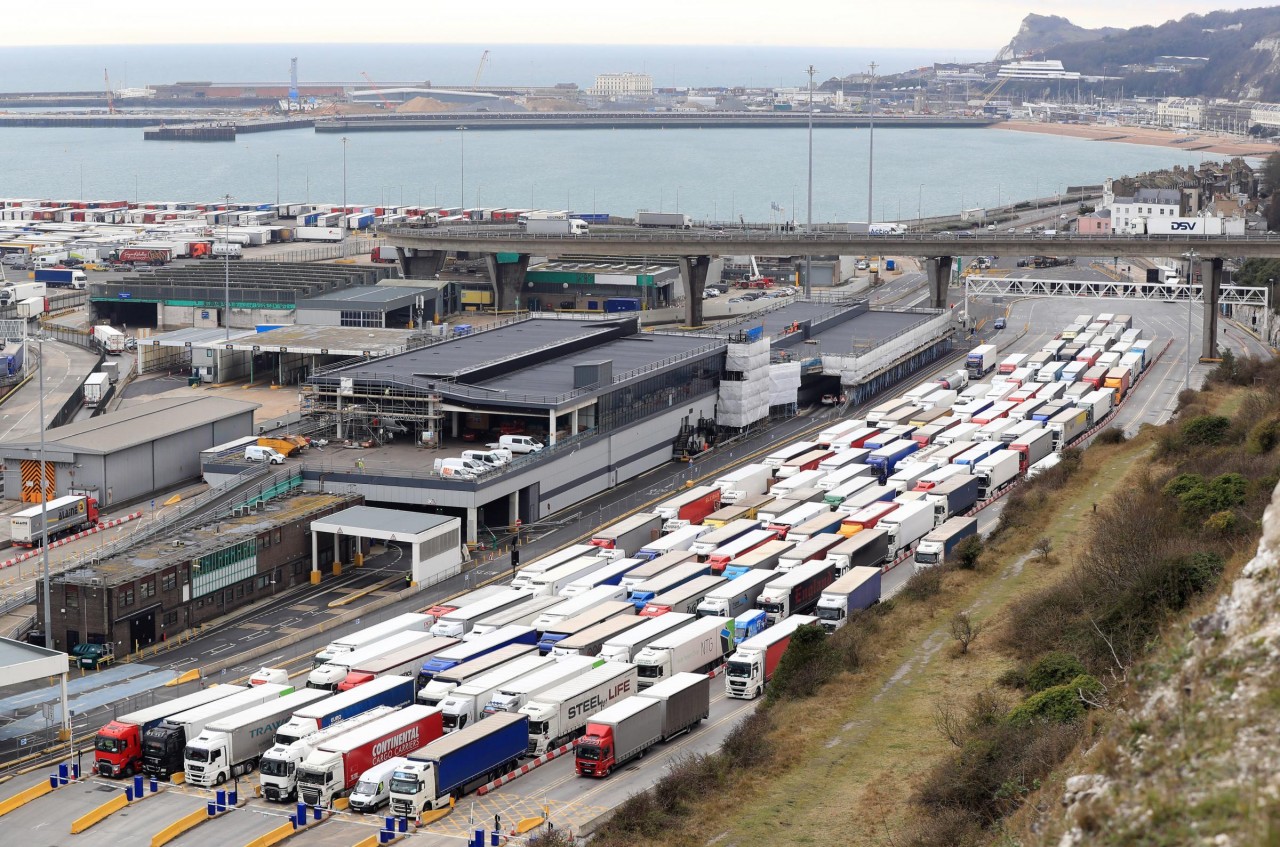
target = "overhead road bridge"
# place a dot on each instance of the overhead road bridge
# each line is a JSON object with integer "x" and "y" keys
{"x": 635, "y": 120}
{"x": 422, "y": 250}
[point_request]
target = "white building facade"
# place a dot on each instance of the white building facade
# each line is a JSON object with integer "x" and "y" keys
{"x": 623, "y": 85}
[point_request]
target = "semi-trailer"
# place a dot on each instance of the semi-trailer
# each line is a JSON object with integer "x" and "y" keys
{"x": 1118, "y": 379}
{"x": 118, "y": 744}
{"x": 61, "y": 515}
{"x": 905, "y": 526}
{"x": 1098, "y": 404}
{"x": 60, "y": 278}
{"x": 683, "y": 598}
{"x": 751, "y": 666}
{"x": 868, "y": 516}
{"x": 953, "y": 497}
{"x": 749, "y": 623}
{"x": 1067, "y": 425}
{"x": 458, "y": 624}
{"x": 813, "y": 550}
{"x": 329, "y": 676}
{"x": 110, "y": 339}
{"x": 980, "y": 361}
{"x": 720, "y": 558}
{"x": 581, "y": 622}
{"x": 664, "y": 220}
{"x": 560, "y": 714}
{"x": 610, "y": 575}
{"x": 823, "y": 522}
{"x": 866, "y": 549}
{"x": 628, "y": 535}
{"x": 231, "y": 746}
{"x": 523, "y": 614}
{"x": 443, "y": 679}
{"x": 552, "y": 560}
{"x": 724, "y": 515}
{"x": 746, "y": 481}
{"x": 707, "y": 544}
{"x": 856, "y": 590}
{"x": 783, "y": 524}
{"x": 589, "y": 641}
{"x": 278, "y": 768}
{"x": 450, "y": 767}
{"x": 466, "y": 704}
{"x": 660, "y": 565}
{"x": 516, "y": 694}
{"x": 444, "y": 607}
{"x": 764, "y": 557}
{"x": 623, "y": 731}
{"x": 885, "y": 460}
{"x": 164, "y": 742}
{"x": 736, "y": 596}
{"x": 556, "y": 580}
{"x": 625, "y": 646}
{"x": 665, "y": 581}
{"x": 795, "y": 592}
{"x": 577, "y": 604}
{"x": 689, "y": 507}
{"x": 334, "y": 767}
{"x": 392, "y": 691}
{"x": 361, "y": 637}
{"x": 996, "y": 471}
{"x": 682, "y": 538}
{"x": 846, "y": 473}
{"x": 938, "y": 545}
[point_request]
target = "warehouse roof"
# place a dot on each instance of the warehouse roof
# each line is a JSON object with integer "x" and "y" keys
{"x": 367, "y": 296}
{"x": 372, "y": 522}
{"x": 138, "y": 424}
{"x": 21, "y": 662}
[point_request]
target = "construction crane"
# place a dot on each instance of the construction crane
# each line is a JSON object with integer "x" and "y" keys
{"x": 386, "y": 104}
{"x": 293, "y": 84}
{"x": 111, "y": 100}
{"x": 484, "y": 60}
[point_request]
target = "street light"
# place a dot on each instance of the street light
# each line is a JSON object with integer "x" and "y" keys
{"x": 277, "y": 183}
{"x": 344, "y": 197}
{"x": 462, "y": 163}
{"x": 1191, "y": 275}
{"x": 808, "y": 260}
{"x": 44, "y": 508}
{"x": 871, "y": 144}
{"x": 226, "y": 263}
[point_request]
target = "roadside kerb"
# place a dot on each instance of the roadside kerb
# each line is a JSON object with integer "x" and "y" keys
{"x": 524, "y": 769}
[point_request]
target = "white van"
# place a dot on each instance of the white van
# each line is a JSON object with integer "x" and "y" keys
{"x": 256, "y": 453}
{"x": 489, "y": 458}
{"x": 459, "y": 468}
{"x": 519, "y": 444}
{"x": 374, "y": 788}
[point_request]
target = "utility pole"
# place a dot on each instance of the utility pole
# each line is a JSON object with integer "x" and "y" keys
{"x": 808, "y": 260}
{"x": 871, "y": 145}
{"x": 226, "y": 265}
{"x": 344, "y": 197}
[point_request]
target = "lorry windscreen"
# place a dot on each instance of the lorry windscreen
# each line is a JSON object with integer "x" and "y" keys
{"x": 739, "y": 670}
{"x": 828, "y": 613}
{"x": 275, "y": 767}
{"x": 590, "y": 752}
{"x": 195, "y": 754}
{"x": 538, "y": 727}
{"x": 646, "y": 672}
{"x": 106, "y": 744}
{"x": 309, "y": 777}
{"x": 404, "y": 783}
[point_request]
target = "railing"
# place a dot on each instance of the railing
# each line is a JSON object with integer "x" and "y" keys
{"x": 354, "y": 247}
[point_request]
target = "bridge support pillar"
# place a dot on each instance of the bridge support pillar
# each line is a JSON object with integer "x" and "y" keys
{"x": 693, "y": 270}
{"x": 1211, "y": 282}
{"x": 938, "y": 269}
{"x": 508, "y": 278}
{"x": 422, "y": 264}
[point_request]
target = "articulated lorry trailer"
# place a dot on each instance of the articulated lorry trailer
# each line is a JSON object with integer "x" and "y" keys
{"x": 65, "y": 514}
{"x": 465, "y": 704}
{"x": 736, "y": 596}
{"x": 746, "y": 481}
{"x": 689, "y": 507}
{"x": 118, "y": 745}
{"x": 856, "y": 590}
{"x": 939, "y": 544}
{"x": 752, "y": 665}
{"x": 164, "y": 743}
{"x": 514, "y": 695}
{"x": 867, "y": 548}
{"x": 627, "y": 535}
{"x": 453, "y": 766}
{"x": 445, "y": 681}
{"x": 625, "y": 730}
{"x": 697, "y": 647}
{"x": 331, "y": 674}
{"x": 393, "y": 691}
{"x": 232, "y": 746}
{"x": 278, "y": 767}
{"x": 796, "y": 591}
{"x": 626, "y": 646}
{"x": 559, "y": 715}
{"x": 334, "y": 767}
{"x": 362, "y": 637}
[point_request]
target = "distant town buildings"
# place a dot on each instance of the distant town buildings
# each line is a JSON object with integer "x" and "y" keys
{"x": 1048, "y": 69}
{"x": 623, "y": 85}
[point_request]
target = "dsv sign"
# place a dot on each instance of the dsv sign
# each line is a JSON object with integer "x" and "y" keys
{"x": 1183, "y": 226}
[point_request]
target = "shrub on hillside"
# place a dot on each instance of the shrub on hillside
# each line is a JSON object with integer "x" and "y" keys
{"x": 1054, "y": 668}
{"x": 968, "y": 552}
{"x": 1056, "y": 704}
{"x": 1206, "y": 429}
{"x": 923, "y": 585}
{"x": 808, "y": 663}
{"x": 748, "y": 744}
{"x": 1263, "y": 437}
{"x": 1111, "y": 435}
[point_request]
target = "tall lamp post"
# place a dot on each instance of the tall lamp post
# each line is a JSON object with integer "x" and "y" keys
{"x": 277, "y": 183}
{"x": 226, "y": 264}
{"x": 1191, "y": 276}
{"x": 462, "y": 166}
{"x": 871, "y": 145}
{"x": 344, "y": 197}
{"x": 44, "y": 516}
{"x": 808, "y": 260}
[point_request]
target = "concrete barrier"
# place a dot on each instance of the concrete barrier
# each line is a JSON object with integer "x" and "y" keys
{"x": 22, "y": 798}
{"x": 525, "y": 768}
{"x": 184, "y": 678}
{"x": 275, "y": 836}
{"x": 113, "y": 805}
{"x": 178, "y": 827}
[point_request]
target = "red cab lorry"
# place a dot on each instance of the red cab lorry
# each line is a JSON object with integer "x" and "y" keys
{"x": 118, "y": 745}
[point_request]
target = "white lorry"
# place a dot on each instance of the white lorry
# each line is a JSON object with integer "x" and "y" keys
{"x": 514, "y": 695}
{"x": 232, "y": 745}
{"x": 906, "y": 525}
{"x": 278, "y": 768}
{"x": 466, "y": 704}
{"x": 698, "y": 647}
{"x": 560, "y": 715}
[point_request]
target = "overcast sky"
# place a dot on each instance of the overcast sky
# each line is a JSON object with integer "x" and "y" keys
{"x": 966, "y": 24}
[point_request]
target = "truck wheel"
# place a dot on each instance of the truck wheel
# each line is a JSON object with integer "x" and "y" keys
{"x": 128, "y": 771}
{"x": 608, "y": 771}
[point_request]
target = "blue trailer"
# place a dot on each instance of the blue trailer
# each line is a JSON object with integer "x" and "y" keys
{"x": 393, "y": 691}
{"x": 856, "y": 590}
{"x": 977, "y": 453}
{"x": 748, "y": 624}
{"x": 468, "y": 650}
{"x": 885, "y": 460}
{"x": 622, "y": 304}
{"x": 594, "y": 218}
{"x": 13, "y": 361}
{"x": 452, "y": 766}
{"x": 936, "y": 547}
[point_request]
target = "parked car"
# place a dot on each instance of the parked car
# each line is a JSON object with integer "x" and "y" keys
{"x": 999, "y": 324}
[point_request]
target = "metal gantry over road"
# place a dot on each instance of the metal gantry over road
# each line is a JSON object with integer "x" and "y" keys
{"x": 422, "y": 250}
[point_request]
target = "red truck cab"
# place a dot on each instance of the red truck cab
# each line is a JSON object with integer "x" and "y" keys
{"x": 353, "y": 679}
{"x": 118, "y": 750}
{"x": 595, "y": 753}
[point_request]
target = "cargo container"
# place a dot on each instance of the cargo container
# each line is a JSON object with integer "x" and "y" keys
{"x": 439, "y": 610}
{"x": 979, "y": 451}
{"x": 720, "y": 558}
{"x": 862, "y": 499}
{"x": 334, "y": 767}
{"x": 858, "y": 438}
{"x": 683, "y": 598}
{"x": 779, "y": 457}
{"x": 908, "y": 475}
{"x": 939, "y": 544}
{"x": 746, "y": 481}
{"x": 627, "y": 729}
{"x": 889, "y": 436}
{"x": 164, "y": 743}
{"x": 795, "y": 592}
{"x": 996, "y": 471}
{"x": 836, "y": 497}
{"x": 410, "y": 621}
{"x": 752, "y": 665}
{"x": 658, "y": 566}
{"x": 330, "y": 675}
{"x": 707, "y": 544}
{"x": 669, "y": 579}
{"x": 448, "y": 768}
{"x": 905, "y": 526}
{"x": 458, "y": 623}
{"x": 831, "y": 436}
{"x": 556, "y": 580}
{"x": 317, "y": 233}
{"x": 939, "y": 475}
{"x": 278, "y": 768}
{"x": 504, "y": 644}
{"x": 560, "y": 714}
{"x": 724, "y": 515}
{"x": 765, "y": 556}
{"x": 388, "y": 691}
{"x": 513, "y": 695}
{"x": 856, "y": 590}
{"x": 63, "y": 515}
{"x": 610, "y": 575}
{"x": 962, "y": 431}
{"x": 847, "y": 462}
{"x": 682, "y": 538}
{"x": 737, "y": 595}
{"x": 466, "y": 704}
{"x": 953, "y": 497}
{"x": 95, "y": 389}
{"x": 118, "y": 744}
{"x": 1118, "y": 380}
{"x": 628, "y": 535}
{"x": 523, "y": 614}
{"x": 868, "y": 516}
{"x": 794, "y": 518}
{"x": 596, "y": 614}
{"x": 1011, "y": 363}
{"x": 885, "y": 460}
{"x": 1098, "y": 404}
{"x": 697, "y": 647}
{"x": 689, "y": 507}
{"x": 1033, "y": 446}
{"x": 232, "y": 745}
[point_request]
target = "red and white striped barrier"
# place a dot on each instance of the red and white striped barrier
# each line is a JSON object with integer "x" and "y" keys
{"x": 84, "y": 533}
{"x": 524, "y": 769}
